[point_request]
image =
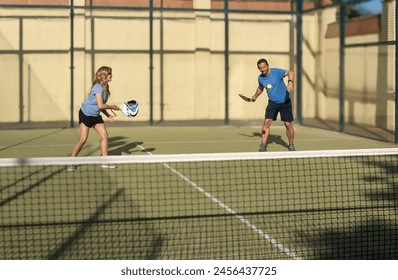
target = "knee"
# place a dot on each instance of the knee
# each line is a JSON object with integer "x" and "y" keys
{"x": 82, "y": 140}
{"x": 266, "y": 124}
{"x": 288, "y": 125}
{"x": 104, "y": 135}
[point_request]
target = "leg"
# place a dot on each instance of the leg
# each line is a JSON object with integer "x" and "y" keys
{"x": 100, "y": 128}
{"x": 103, "y": 133}
{"x": 270, "y": 114}
{"x": 290, "y": 136}
{"x": 289, "y": 132}
{"x": 84, "y": 130}
{"x": 265, "y": 130}
{"x": 287, "y": 118}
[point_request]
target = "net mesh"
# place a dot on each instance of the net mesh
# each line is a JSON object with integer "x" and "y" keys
{"x": 302, "y": 205}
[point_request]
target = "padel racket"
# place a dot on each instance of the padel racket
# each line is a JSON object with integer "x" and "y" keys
{"x": 245, "y": 98}
{"x": 130, "y": 108}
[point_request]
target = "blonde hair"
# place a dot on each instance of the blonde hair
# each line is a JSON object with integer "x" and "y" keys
{"x": 100, "y": 78}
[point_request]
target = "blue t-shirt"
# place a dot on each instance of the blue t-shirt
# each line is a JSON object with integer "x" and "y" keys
{"x": 90, "y": 106}
{"x": 274, "y": 85}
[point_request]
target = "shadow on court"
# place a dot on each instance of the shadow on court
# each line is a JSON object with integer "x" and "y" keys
{"x": 32, "y": 139}
{"x": 371, "y": 240}
{"x": 94, "y": 219}
{"x": 374, "y": 235}
{"x": 119, "y": 146}
{"x": 272, "y": 139}
{"x": 104, "y": 235}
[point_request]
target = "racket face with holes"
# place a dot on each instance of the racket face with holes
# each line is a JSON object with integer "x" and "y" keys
{"x": 130, "y": 108}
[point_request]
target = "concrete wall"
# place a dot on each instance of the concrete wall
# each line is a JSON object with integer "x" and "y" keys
{"x": 369, "y": 71}
{"x": 189, "y": 66}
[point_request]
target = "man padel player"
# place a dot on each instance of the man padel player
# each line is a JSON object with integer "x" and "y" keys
{"x": 271, "y": 79}
{"x": 89, "y": 114}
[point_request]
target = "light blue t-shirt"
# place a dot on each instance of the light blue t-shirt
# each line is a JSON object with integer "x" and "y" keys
{"x": 90, "y": 106}
{"x": 274, "y": 85}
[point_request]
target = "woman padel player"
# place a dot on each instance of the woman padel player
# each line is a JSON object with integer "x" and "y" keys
{"x": 89, "y": 114}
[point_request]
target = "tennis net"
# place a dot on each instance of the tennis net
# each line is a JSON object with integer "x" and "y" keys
{"x": 282, "y": 205}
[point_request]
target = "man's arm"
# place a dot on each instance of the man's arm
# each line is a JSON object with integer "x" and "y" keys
{"x": 259, "y": 91}
{"x": 290, "y": 81}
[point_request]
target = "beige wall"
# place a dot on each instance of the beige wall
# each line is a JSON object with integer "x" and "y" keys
{"x": 188, "y": 60}
{"x": 369, "y": 73}
{"x": 188, "y": 63}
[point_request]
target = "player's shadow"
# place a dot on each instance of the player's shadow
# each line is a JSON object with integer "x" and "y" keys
{"x": 122, "y": 148}
{"x": 116, "y": 142}
{"x": 277, "y": 139}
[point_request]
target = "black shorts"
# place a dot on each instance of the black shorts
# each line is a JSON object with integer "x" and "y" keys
{"x": 285, "y": 109}
{"x": 89, "y": 121}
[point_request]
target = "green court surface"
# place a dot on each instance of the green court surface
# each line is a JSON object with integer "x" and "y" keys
{"x": 292, "y": 208}
{"x": 175, "y": 140}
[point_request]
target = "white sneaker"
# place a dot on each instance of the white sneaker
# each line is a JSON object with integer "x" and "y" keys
{"x": 108, "y": 166}
{"x": 70, "y": 168}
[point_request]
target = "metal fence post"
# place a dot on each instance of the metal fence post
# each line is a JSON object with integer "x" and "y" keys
{"x": 20, "y": 66}
{"x": 342, "y": 66}
{"x": 72, "y": 14}
{"x": 396, "y": 74}
{"x": 226, "y": 57}
{"x": 151, "y": 62}
{"x": 299, "y": 62}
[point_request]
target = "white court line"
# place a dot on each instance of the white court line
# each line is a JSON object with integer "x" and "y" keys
{"x": 245, "y": 221}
